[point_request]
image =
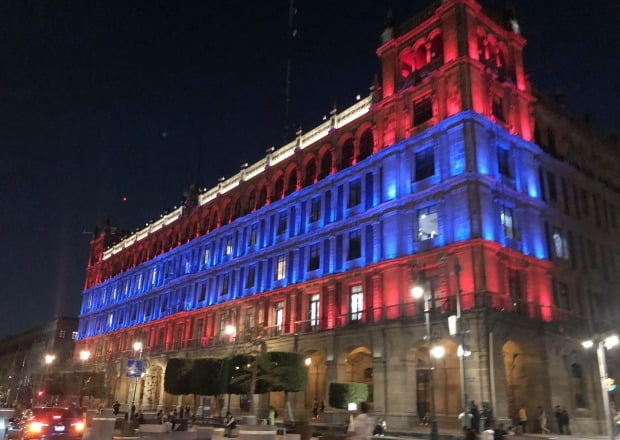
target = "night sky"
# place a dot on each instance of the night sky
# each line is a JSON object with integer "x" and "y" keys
{"x": 112, "y": 109}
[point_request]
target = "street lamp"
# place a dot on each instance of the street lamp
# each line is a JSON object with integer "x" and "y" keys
{"x": 137, "y": 346}
{"x": 418, "y": 292}
{"x": 604, "y": 342}
{"x": 84, "y": 357}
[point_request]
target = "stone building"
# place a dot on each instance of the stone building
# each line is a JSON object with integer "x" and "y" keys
{"x": 453, "y": 176}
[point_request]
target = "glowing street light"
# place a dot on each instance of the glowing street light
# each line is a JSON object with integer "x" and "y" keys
{"x": 49, "y": 358}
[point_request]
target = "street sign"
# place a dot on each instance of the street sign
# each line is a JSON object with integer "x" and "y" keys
{"x": 134, "y": 368}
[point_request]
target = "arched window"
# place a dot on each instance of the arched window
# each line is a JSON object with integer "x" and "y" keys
{"x": 237, "y": 210}
{"x": 278, "y": 189}
{"x": 326, "y": 165}
{"x": 292, "y": 182}
{"x": 262, "y": 197}
{"x": 251, "y": 202}
{"x": 420, "y": 56}
{"x": 406, "y": 63}
{"x": 437, "y": 48}
{"x": 366, "y": 144}
{"x": 226, "y": 218}
{"x": 214, "y": 222}
{"x": 348, "y": 153}
{"x": 310, "y": 173}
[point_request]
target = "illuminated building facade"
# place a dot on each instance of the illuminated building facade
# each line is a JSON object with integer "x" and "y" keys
{"x": 448, "y": 176}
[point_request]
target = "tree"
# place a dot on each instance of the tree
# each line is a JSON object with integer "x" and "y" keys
{"x": 343, "y": 393}
{"x": 210, "y": 377}
{"x": 178, "y": 379}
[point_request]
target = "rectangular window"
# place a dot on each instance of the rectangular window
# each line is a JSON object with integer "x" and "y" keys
{"x": 424, "y": 164}
{"x": 198, "y": 329}
{"x": 503, "y": 162}
{"x": 206, "y": 257}
{"x": 203, "y": 292}
{"x": 278, "y": 316}
{"x": 422, "y": 110}
{"x": 427, "y": 223}
{"x": 250, "y": 277}
{"x": 356, "y": 302}
{"x": 560, "y": 246}
{"x": 225, "y": 284}
{"x": 74, "y": 335}
{"x": 248, "y": 320}
{"x": 355, "y": 193}
{"x": 498, "y": 108}
{"x": 282, "y": 222}
{"x": 315, "y": 209}
{"x": 139, "y": 282}
{"x": 164, "y": 305}
{"x": 314, "y": 310}
{"x": 228, "y": 246}
{"x": 355, "y": 245}
{"x": 62, "y": 334}
{"x": 253, "y": 238}
{"x": 553, "y": 191}
{"x": 281, "y": 268}
{"x": 507, "y": 222}
{"x": 314, "y": 259}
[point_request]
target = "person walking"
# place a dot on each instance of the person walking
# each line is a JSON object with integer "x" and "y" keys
{"x": 522, "y": 416}
{"x": 315, "y": 409}
{"x": 363, "y": 424}
{"x": 116, "y": 408}
{"x": 475, "y": 416}
{"x": 542, "y": 419}
{"x": 231, "y": 424}
{"x": 271, "y": 416}
{"x": 565, "y": 421}
{"x": 465, "y": 420}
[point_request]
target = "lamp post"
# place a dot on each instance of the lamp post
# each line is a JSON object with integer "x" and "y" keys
{"x": 419, "y": 292}
{"x": 462, "y": 351}
{"x": 84, "y": 357}
{"x": 137, "y": 346}
{"x": 604, "y": 342}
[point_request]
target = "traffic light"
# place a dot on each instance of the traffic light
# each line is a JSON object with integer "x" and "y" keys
{"x": 610, "y": 383}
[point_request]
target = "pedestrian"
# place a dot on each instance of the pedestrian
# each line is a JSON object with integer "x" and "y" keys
{"x": 475, "y": 414}
{"x": 522, "y": 417}
{"x": 116, "y": 407}
{"x": 363, "y": 424}
{"x": 380, "y": 427}
{"x": 315, "y": 409}
{"x": 465, "y": 419}
{"x": 230, "y": 423}
{"x": 271, "y": 416}
{"x": 487, "y": 415}
{"x": 542, "y": 419}
{"x": 322, "y": 407}
{"x": 499, "y": 433}
{"x": 565, "y": 421}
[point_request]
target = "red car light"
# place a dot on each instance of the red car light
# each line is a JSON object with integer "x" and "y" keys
{"x": 36, "y": 426}
{"x": 79, "y": 426}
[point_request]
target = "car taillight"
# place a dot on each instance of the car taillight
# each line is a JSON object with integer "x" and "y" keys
{"x": 35, "y": 426}
{"x": 79, "y": 426}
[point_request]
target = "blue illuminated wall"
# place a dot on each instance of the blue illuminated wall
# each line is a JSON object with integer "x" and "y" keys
{"x": 370, "y": 213}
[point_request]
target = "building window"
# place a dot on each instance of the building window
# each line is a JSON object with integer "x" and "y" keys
{"x": 203, "y": 292}
{"x": 355, "y": 245}
{"x": 248, "y": 320}
{"x": 427, "y": 223}
{"x": 422, "y": 110}
{"x": 281, "y": 268}
{"x": 356, "y": 302}
{"x": 74, "y": 335}
{"x": 198, "y": 329}
{"x": 315, "y": 209}
{"x": 225, "y": 284}
{"x": 139, "y": 282}
{"x": 507, "y": 222}
{"x": 62, "y": 334}
{"x": 424, "y": 164}
{"x": 497, "y": 108}
{"x": 314, "y": 310}
{"x": 314, "y": 259}
{"x": 228, "y": 248}
{"x": 250, "y": 277}
{"x": 355, "y": 193}
{"x": 503, "y": 162}
{"x": 206, "y": 257}
{"x": 553, "y": 191}
{"x": 253, "y": 235}
{"x": 561, "y": 297}
{"x": 560, "y": 247}
{"x": 282, "y": 221}
{"x": 278, "y": 316}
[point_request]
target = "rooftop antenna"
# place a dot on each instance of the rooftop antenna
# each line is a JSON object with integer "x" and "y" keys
{"x": 287, "y": 86}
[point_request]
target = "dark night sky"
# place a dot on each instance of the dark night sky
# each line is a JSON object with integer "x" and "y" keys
{"x": 101, "y": 100}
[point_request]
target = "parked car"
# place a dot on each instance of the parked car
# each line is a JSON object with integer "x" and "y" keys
{"x": 48, "y": 423}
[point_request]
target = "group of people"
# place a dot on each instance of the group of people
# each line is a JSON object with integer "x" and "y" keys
{"x": 471, "y": 419}
{"x": 317, "y": 409}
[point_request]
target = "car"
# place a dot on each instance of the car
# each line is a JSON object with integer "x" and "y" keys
{"x": 53, "y": 423}
{"x": 13, "y": 429}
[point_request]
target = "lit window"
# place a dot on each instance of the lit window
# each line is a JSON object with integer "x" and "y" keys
{"x": 315, "y": 209}
{"x": 424, "y": 164}
{"x": 206, "y": 256}
{"x": 355, "y": 193}
{"x": 250, "y": 277}
{"x": 188, "y": 265}
{"x": 355, "y": 245}
{"x": 74, "y": 335}
{"x": 560, "y": 246}
{"x": 427, "y": 223}
{"x": 314, "y": 259}
{"x": 281, "y": 268}
{"x": 224, "y": 286}
{"x": 313, "y": 311}
{"x": 154, "y": 275}
{"x": 110, "y": 319}
{"x": 62, "y": 334}
{"x": 248, "y": 319}
{"x": 507, "y": 222}
{"x": 139, "y": 282}
{"x": 278, "y": 316}
{"x": 356, "y": 298}
{"x": 228, "y": 248}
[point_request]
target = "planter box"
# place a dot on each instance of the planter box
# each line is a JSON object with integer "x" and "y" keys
{"x": 155, "y": 427}
{"x": 257, "y": 432}
{"x": 204, "y": 433}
